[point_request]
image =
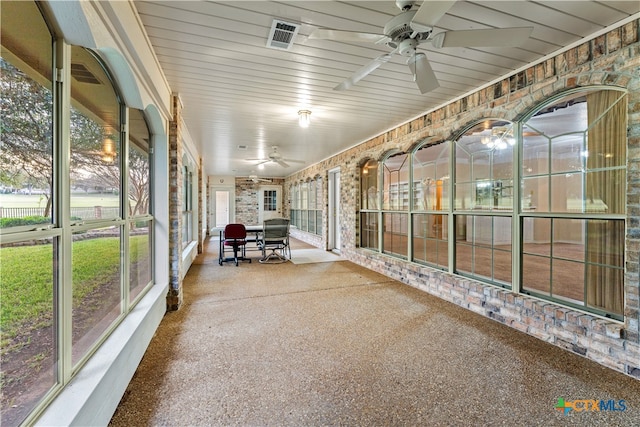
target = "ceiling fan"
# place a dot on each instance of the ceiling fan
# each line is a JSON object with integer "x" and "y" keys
{"x": 255, "y": 179}
{"x": 276, "y": 157}
{"x": 406, "y": 31}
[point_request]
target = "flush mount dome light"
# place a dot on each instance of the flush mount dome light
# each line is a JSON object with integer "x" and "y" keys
{"x": 304, "y": 118}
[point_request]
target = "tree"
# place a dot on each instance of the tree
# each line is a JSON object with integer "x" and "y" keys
{"x": 26, "y": 126}
{"x": 26, "y": 146}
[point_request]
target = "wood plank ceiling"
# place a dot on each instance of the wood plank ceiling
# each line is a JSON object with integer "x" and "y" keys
{"x": 239, "y": 93}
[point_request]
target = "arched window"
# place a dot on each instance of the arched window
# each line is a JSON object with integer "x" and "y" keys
{"x": 77, "y": 254}
{"x": 431, "y": 202}
{"x": 484, "y": 201}
{"x": 395, "y": 204}
{"x": 318, "y": 204}
{"x": 304, "y": 206}
{"x": 96, "y": 184}
{"x": 139, "y": 209}
{"x": 573, "y": 200}
{"x": 29, "y": 222}
{"x": 370, "y": 205}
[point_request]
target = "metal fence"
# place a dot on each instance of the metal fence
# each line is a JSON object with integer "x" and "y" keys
{"x": 91, "y": 212}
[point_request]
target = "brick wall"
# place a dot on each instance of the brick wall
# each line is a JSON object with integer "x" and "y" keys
{"x": 612, "y": 59}
{"x": 174, "y": 296}
{"x": 247, "y": 203}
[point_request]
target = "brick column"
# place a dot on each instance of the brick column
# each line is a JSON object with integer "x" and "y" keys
{"x": 174, "y": 296}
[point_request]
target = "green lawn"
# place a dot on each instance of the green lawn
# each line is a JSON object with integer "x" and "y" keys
{"x": 26, "y": 278}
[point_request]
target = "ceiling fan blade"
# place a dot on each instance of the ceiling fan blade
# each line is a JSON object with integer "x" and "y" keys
{"x": 497, "y": 37}
{"x": 364, "y": 71}
{"x": 282, "y": 163}
{"x": 423, "y": 75}
{"x": 261, "y": 161}
{"x": 430, "y": 13}
{"x": 347, "y": 36}
{"x": 294, "y": 160}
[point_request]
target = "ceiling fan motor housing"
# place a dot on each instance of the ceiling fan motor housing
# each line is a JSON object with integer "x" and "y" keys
{"x": 404, "y": 4}
{"x": 398, "y": 29}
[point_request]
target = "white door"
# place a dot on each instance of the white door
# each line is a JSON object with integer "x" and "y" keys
{"x": 221, "y": 208}
{"x": 334, "y": 210}
{"x": 269, "y": 202}
{"x": 222, "y": 202}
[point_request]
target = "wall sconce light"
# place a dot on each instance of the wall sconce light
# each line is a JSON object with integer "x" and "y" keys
{"x": 108, "y": 150}
{"x": 304, "y": 118}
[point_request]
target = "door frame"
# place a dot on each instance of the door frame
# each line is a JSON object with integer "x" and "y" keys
{"x": 279, "y": 202}
{"x": 231, "y": 189}
{"x": 334, "y": 240}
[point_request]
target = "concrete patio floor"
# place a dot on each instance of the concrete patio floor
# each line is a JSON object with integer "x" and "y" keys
{"x": 332, "y": 343}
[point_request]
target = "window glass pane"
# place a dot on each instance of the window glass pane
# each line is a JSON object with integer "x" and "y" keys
{"x": 535, "y": 154}
{"x": 483, "y": 247}
{"x": 535, "y": 194}
{"x": 567, "y": 193}
{"x": 95, "y": 140}
{"x": 603, "y": 193}
{"x": 395, "y": 193}
{"x": 27, "y": 335}
{"x": 139, "y": 183}
{"x": 502, "y": 264}
{"x": 564, "y": 116}
{"x": 482, "y": 261}
{"x": 605, "y": 288}
{"x": 464, "y": 240}
{"x": 430, "y": 239}
{"x": 587, "y": 134}
{"x": 430, "y": 177}
{"x": 140, "y": 257}
{"x": 26, "y": 171}
{"x": 304, "y": 193}
{"x": 369, "y": 184}
{"x": 319, "y": 194}
{"x": 484, "y": 156}
{"x": 568, "y": 239}
{"x": 536, "y": 237}
{"x": 536, "y": 274}
{"x": 394, "y": 235}
{"x": 96, "y": 286}
{"x": 568, "y": 153}
{"x": 465, "y": 196}
{"x": 318, "y": 222}
{"x": 567, "y": 281}
{"x": 369, "y": 230}
{"x": 605, "y": 265}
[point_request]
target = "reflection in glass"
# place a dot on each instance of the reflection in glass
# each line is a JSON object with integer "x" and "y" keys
{"x": 95, "y": 140}
{"x": 484, "y": 167}
{"x": 27, "y": 320}
{"x": 431, "y": 177}
{"x": 580, "y": 261}
{"x": 394, "y": 236}
{"x": 139, "y": 183}
{"x": 96, "y": 286}
{"x": 430, "y": 243}
{"x": 395, "y": 183}
{"x": 369, "y": 230}
{"x": 26, "y": 160}
{"x": 483, "y": 247}
{"x": 140, "y": 257}
{"x": 369, "y": 185}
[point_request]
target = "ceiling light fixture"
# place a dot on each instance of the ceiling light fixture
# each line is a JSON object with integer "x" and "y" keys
{"x": 304, "y": 118}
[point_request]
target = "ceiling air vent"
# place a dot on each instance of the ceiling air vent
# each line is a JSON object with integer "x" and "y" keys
{"x": 83, "y": 75}
{"x": 282, "y": 34}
